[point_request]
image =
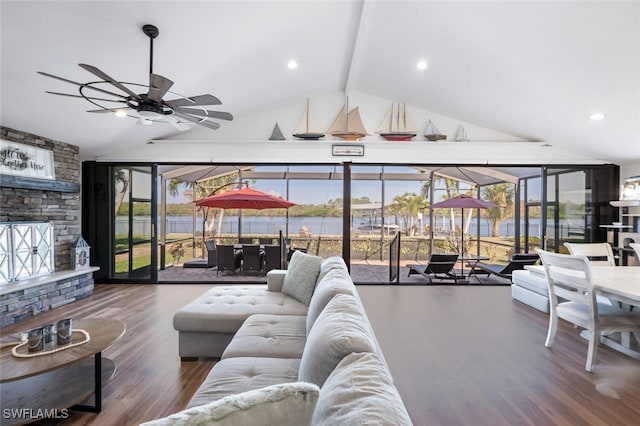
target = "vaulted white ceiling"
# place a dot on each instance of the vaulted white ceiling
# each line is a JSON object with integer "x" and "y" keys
{"x": 533, "y": 70}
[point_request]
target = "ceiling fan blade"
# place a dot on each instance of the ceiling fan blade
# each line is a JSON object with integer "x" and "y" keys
{"x": 205, "y": 123}
{"x": 206, "y": 113}
{"x": 158, "y": 87}
{"x": 105, "y": 110}
{"x": 176, "y": 123}
{"x": 106, "y": 77}
{"x": 194, "y": 101}
{"x": 82, "y": 85}
{"x": 86, "y": 97}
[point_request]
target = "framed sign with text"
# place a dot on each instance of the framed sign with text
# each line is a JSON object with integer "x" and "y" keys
{"x": 18, "y": 159}
{"x": 347, "y": 150}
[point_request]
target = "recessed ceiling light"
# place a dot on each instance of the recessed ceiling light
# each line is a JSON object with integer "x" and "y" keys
{"x": 597, "y": 116}
{"x": 421, "y": 65}
{"x": 120, "y": 113}
{"x": 292, "y": 64}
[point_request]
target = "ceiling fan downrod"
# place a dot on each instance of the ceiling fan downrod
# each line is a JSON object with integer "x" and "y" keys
{"x": 152, "y": 32}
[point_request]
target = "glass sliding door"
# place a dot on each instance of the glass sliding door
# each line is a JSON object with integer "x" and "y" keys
{"x": 134, "y": 227}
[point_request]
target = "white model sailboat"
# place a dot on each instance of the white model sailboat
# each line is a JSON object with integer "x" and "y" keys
{"x": 397, "y": 124}
{"x": 348, "y": 126}
{"x": 432, "y": 133}
{"x": 308, "y": 126}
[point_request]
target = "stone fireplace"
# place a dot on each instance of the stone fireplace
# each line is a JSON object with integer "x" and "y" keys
{"x": 55, "y": 202}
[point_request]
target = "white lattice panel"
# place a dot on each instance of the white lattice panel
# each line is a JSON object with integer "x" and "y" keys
{"x": 5, "y": 254}
{"x": 26, "y": 250}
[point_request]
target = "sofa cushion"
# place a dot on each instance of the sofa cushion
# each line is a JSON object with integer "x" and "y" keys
{"x": 530, "y": 280}
{"x": 236, "y": 375}
{"x": 339, "y": 330}
{"x": 282, "y": 404}
{"x": 223, "y": 309}
{"x": 360, "y": 391}
{"x": 336, "y": 281}
{"x": 301, "y": 276}
{"x": 329, "y": 264}
{"x": 269, "y": 336}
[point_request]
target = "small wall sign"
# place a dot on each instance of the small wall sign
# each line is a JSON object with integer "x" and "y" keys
{"x": 25, "y": 160}
{"x": 347, "y": 150}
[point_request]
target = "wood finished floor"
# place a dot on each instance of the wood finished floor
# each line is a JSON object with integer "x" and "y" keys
{"x": 460, "y": 355}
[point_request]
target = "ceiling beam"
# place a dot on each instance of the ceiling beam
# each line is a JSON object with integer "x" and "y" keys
{"x": 355, "y": 51}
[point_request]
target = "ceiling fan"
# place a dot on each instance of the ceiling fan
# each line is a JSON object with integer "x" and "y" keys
{"x": 147, "y": 107}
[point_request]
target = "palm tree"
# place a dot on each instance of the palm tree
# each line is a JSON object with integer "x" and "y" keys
{"x": 121, "y": 178}
{"x": 503, "y": 195}
{"x": 408, "y": 205}
{"x": 451, "y": 187}
{"x": 204, "y": 189}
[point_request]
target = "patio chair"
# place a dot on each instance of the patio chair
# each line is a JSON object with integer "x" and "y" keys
{"x": 272, "y": 259}
{"x": 439, "y": 266}
{"x": 597, "y": 253}
{"x": 569, "y": 277}
{"x": 245, "y": 240}
{"x": 294, "y": 249}
{"x": 251, "y": 258}
{"x": 265, "y": 241}
{"x": 228, "y": 259}
{"x": 212, "y": 254}
{"x": 517, "y": 262}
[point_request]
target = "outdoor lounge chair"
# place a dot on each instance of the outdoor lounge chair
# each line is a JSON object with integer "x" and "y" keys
{"x": 440, "y": 266}
{"x": 636, "y": 249}
{"x": 517, "y": 262}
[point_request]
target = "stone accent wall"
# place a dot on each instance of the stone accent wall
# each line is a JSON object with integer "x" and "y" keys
{"x": 23, "y": 299}
{"x": 27, "y": 302}
{"x": 60, "y": 208}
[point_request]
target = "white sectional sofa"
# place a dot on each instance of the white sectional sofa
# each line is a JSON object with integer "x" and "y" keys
{"x": 529, "y": 286}
{"x": 314, "y": 359}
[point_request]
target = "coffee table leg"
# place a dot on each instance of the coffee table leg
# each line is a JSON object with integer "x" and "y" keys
{"x": 97, "y": 395}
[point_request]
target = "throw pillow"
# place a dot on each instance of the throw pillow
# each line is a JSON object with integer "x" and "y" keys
{"x": 360, "y": 391}
{"x": 300, "y": 278}
{"x": 340, "y": 329}
{"x": 282, "y": 404}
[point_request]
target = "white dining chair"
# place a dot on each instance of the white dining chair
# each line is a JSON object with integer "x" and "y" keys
{"x": 569, "y": 277}
{"x": 599, "y": 254}
{"x": 636, "y": 249}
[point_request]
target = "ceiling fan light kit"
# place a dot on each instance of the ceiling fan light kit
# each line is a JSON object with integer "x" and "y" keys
{"x": 147, "y": 108}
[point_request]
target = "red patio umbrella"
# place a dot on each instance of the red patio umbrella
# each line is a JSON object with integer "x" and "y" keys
{"x": 245, "y": 198}
{"x": 463, "y": 202}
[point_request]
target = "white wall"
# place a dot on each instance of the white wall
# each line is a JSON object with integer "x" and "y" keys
{"x": 245, "y": 139}
{"x": 628, "y": 170}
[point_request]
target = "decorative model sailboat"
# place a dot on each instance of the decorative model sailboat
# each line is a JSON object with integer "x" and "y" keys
{"x": 462, "y": 134}
{"x": 307, "y": 126}
{"x": 432, "y": 133}
{"x": 348, "y": 126}
{"x": 397, "y": 125}
{"x": 276, "y": 134}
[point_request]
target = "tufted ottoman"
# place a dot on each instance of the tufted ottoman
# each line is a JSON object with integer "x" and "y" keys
{"x": 207, "y": 325}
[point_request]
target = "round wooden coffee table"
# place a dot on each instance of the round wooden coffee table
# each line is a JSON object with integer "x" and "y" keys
{"x": 48, "y": 385}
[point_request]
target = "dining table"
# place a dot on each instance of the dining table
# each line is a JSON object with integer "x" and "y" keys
{"x": 622, "y": 284}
